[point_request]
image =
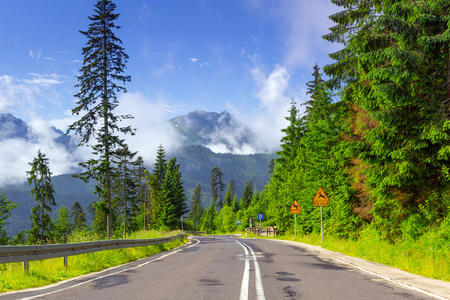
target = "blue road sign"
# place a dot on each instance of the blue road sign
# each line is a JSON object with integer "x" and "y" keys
{"x": 238, "y": 222}
{"x": 260, "y": 217}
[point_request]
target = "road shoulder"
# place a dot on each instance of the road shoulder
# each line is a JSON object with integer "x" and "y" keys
{"x": 430, "y": 287}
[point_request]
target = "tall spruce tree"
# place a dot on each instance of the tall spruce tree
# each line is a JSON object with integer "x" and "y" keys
{"x": 126, "y": 187}
{"x": 230, "y": 193}
{"x": 217, "y": 186}
{"x": 154, "y": 195}
{"x": 396, "y": 67}
{"x": 290, "y": 142}
{"x": 62, "y": 225}
{"x": 78, "y": 216}
{"x": 142, "y": 188}
{"x": 196, "y": 211}
{"x": 173, "y": 195}
{"x": 247, "y": 195}
{"x": 160, "y": 164}
{"x": 40, "y": 178}
{"x": 6, "y": 206}
{"x": 100, "y": 80}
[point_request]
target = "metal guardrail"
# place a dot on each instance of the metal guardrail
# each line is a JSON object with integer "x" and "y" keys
{"x": 196, "y": 232}
{"x": 9, "y": 254}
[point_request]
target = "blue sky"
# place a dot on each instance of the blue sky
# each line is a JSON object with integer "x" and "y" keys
{"x": 248, "y": 57}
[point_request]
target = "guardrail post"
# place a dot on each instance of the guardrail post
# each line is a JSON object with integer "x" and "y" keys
{"x": 26, "y": 266}
{"x": 65, "y": 262}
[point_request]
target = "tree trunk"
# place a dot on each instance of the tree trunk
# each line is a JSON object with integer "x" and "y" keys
{"x": 106, "y": 137}
{"x": 42, "y": 212}
{"x": 145, "y": 207}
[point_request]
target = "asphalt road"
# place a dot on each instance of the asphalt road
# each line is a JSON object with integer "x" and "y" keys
{"x": 226, "y": 267}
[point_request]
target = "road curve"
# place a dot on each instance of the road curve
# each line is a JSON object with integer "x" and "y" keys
{"x": 226, "y": 267}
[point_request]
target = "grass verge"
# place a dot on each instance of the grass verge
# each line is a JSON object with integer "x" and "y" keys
{"x": 44, "y": 272}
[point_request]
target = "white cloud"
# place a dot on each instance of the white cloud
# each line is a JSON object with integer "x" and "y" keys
{"x": 193, "y": 59}
{"x": 23, "y": 97}
{"x": 307, "y": 21}
{"x": 44, "y": 80}
{"x": 271, "y": 88}
{"x": 35, "y": 55}
{"x": 15, "y": 95}
{"x": 267, "y": 121}
{"x": 17, "y": 153}
{"x": 301, "y": 24}
{"x": 150, "y": 116}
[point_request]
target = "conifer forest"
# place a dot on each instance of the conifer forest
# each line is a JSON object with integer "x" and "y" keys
{"x": 374, "y": 135}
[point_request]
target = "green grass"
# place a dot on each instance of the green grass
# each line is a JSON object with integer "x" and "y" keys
{"x": 44, "y": 272}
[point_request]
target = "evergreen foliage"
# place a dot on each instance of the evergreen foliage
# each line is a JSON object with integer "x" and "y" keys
{"x": 167, "y": 192}
{"x": 230, "y": 193}
{"x": 217, "y": 186}
{"x": 100, "y": 81}
{"x": 196, "y": 209}
{"x": 40, "y": 178}
{"x": 126, "y": 189}
{"x": 78, "y": 216}
{"x": 62, "y": 226}
{"x": 247, "y": 195}
{"x": 5, "y": 212}
{"x": 142, "y": 190}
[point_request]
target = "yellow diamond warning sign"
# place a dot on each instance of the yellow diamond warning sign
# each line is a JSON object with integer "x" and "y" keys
{"x": 295, "y": 208}
{"x": 321, "y": 199}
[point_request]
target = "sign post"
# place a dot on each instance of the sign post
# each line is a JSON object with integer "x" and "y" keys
{"x": 321, "y": 199}
{"x": 295, "y": 209}
{"x": 260, "y": 217}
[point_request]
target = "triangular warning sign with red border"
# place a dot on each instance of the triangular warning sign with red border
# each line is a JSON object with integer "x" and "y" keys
{"x": 295, "y": 208}
{"x": 321, "y": 199}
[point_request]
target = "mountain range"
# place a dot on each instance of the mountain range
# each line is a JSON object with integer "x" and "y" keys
{"x": 199, "y": 131}
{"x": 14, "y": 128}
{"x": 210, "y": 128}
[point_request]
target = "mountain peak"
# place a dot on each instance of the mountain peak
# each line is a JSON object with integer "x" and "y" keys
{"x": 211, "y": 128}
{"x": 12, "y": 127}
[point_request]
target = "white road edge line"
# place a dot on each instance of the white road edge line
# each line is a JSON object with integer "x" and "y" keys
{"x": 391, "y": 280}
{"x": 245, "y": 277}
{"x": 258, "y": 282}
{"x": 104, "y": 276}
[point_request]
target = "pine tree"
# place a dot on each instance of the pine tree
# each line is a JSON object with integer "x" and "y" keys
{"x": 230, "y": 193}
{"x": 271, "y": 166}
{"x": 40, "y": 177}
{"x": 78, "y": 216}
{"x": 126, "y": 186}
{"x": 247, "y": 195}
{"x": 99, "y": 83}
{"x": 395, "y": 67}
{"x": 217, "y": 186}
{"x": 196, "y": 211}
{"x": 209, "y": 216}
{"x": 290, "y": 142}
{"x": 5, "y": 212}
{"x": 160, "y": 164}
{"x": 62, "y": 225}
{"x": 154, "y": 195}
{"x": 173, "y": 197}
{"x": 142, "y": 193}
